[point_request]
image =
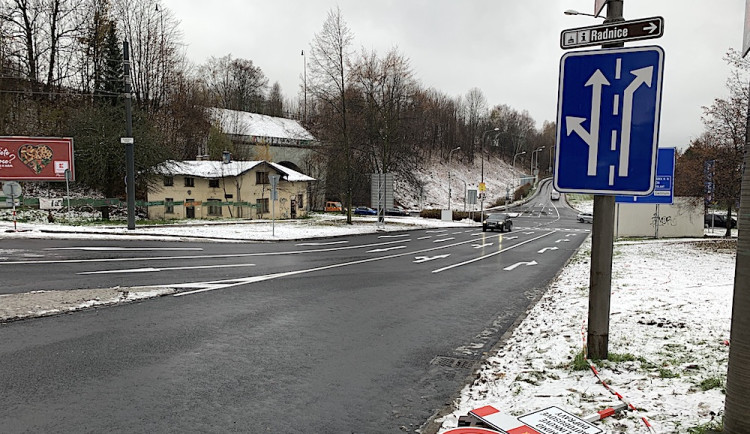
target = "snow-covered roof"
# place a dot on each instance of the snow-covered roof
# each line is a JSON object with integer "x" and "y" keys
{"x": 218, "y": 169}
{"x": 253, "y": 124}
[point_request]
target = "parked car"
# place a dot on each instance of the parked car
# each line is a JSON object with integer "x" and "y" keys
{"x": 718, "y": 220}
{"x": 497, "y": 221}
{"x": 586, "y": 217}
{"x": 397, "y": 210}
{"x": 363, "y": 210}
{"x": 333, "y": 206}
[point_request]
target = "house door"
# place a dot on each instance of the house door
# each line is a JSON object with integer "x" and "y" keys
{"x": 293, "y": 208}
{"x": 189, "y": 208}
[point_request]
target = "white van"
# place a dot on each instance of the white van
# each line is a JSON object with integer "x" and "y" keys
{"x": 554, "y": 195}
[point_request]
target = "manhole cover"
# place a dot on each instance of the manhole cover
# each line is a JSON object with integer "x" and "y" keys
{"x": 452, "y": 362}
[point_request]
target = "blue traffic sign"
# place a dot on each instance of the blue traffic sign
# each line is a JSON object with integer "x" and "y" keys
{"x": 664, "y": 187}
{"x": 608, "y": 109}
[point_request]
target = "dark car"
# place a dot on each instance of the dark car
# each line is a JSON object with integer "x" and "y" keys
{"x": 363, "y": 210}
{"x": 718, "y": 220}
{"x": 497, "y": 221}
{"x": 397, "y": 210}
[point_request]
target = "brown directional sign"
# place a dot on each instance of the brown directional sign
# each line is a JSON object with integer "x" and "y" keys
{"x": 622, "y": 31}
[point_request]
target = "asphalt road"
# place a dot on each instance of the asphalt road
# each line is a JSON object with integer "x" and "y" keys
{"x": 363, "y": 334}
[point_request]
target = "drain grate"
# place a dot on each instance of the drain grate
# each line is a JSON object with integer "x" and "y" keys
{"x": 452, "y": 362}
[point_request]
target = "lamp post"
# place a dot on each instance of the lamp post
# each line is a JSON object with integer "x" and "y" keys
{"x": 514, "y": 161}
{"x": 482, "y": 193}
{"x": 450, "y": 154}
{"x": 532, "y": 160}
{"x": 575, "y": 12}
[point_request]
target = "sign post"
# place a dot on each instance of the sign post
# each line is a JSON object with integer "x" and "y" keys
{"x": 13, "y": 189}
{"x": 274, "y": 179}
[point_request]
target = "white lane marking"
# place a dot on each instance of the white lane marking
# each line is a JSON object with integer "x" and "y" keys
{"x": 563, "y": 240}
{"x": 479, "y": 246}
{"x": 510, "y": 238}
{"x": 228, "y": 255}
{"x": 518, "y": 264}
{"x": 220, "y": 284}
{"x": 322, "y": 244}
{"x": 386, "y": 249}
{"x": 394, "y": 236}
{"x": 439, "y": 270}
{"x": 528, "y": 233}
{"x": 547, "y": 249}
{"x": 440, "y": 240}
{"x": 425, "y": 238}
{"x": 421, "y": 259}
{"x": 436, "y": 231}
{"x": 457, "y": 233}
{"x": 125, "y": 249}
{"x": 152, "y": 270}
{"x": 570, "y": 235}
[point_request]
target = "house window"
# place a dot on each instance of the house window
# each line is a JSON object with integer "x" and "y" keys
{"x": 213, "y": 183}
{"x": 214, "y": 207}
{"x": 261, "y": 177}
{"x": 189, "y": 182}
{"x": 168, "y": 181}
{"x": 262, "y": 205}
{"x": 169, "y": 205}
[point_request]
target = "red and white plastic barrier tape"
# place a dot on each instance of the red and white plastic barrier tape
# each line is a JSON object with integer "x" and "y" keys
{"x": 609, "y": 388}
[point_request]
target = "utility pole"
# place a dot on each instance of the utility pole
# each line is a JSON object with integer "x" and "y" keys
{"x": 128, "y": 139}
{"x": 602, "y": 240}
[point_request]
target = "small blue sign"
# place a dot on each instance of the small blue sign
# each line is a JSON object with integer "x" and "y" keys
{"x": 609, "y": 102}
{"x": 664, "y": 187}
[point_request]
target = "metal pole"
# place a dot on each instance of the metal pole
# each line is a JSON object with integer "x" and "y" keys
{"x": 129, "y": 147}
{"x": 450, "y": 155}
{"x": 602, "y": 240}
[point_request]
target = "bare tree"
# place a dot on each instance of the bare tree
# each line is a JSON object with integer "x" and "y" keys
{"x": 329, "y": 63}
{"x": 234, "y": 84}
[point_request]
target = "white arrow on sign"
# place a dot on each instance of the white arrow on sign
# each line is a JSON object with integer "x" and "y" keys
{"x": 642, "y": 76}
{"x": 518, "y": 264}
{"x": 651, "y": 28}
{"x": 547, "y": 248}
{"x": 420, "y": 259}
{"x": 597, "y": 81}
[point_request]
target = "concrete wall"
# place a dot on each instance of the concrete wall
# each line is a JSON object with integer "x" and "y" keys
{"x": 681, "y": 219}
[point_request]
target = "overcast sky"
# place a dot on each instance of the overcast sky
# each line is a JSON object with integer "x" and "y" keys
{"x": 508, "y": 49}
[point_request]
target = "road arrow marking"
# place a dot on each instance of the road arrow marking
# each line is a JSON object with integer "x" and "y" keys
{"x": 528, "y": 233}
{"x": 518, "y": 264}
{"x": 547, "y": 248}
{"x": 420, "y": 259}
{"x": 387, "y": 249}
{"x": 443, "y": 240}
{"x": 642, "y": 76}
{"x": 574, "y": 124}
{"x": 651, "y": 27}
{"x": 509, "y": 238}
{"x": 479, "y": 246}
{"x": 563, "y": 240}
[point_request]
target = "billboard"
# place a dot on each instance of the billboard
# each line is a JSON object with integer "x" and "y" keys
{"x": 36, "y": 158}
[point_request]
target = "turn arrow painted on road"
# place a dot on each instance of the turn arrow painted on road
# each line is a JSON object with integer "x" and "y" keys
{"x": 547, "y": 249}
{"x": 518, "y": 264}
{"x": 420, "y": 259}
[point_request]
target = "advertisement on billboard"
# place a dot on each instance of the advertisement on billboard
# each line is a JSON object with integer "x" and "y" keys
{"x": 36, "y": 158}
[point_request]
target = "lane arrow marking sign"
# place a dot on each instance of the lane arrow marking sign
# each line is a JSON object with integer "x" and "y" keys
{"x": 642, "y": 76}
{"x": 518, "y": 264}
{"x": 591, "y": 138}
{"x": 547, "y": 249}
{"x": 420, "y": 259}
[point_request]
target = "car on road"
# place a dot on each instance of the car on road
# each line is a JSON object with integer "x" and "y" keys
{"x": 396, "y": 210}
{"x": 585, "y": 217}
{"x": 554, "y": 195}
{"x": 363, "y": 210}
{"x": 718, "y": 220}
{"x": 497, "y": 221}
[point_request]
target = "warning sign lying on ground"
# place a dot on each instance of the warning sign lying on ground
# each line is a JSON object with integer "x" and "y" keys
{"x": 554, "y": 420}
{"x": 36, "y": 158}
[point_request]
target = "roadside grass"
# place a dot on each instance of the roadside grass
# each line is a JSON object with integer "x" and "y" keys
{"x": 712, "y": 383}
{"x": 713, "y": 426}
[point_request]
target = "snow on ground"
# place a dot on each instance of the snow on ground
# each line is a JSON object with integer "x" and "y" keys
{"x": 670, "y": 318}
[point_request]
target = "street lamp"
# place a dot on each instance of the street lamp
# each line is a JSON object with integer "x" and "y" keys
{"x": 532, "y": 160}
{"x": 450, "y": 154}
{"x": 574, "y": 12}
{"x": 514, "y": 160}
{"x": 481, "y": 193}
